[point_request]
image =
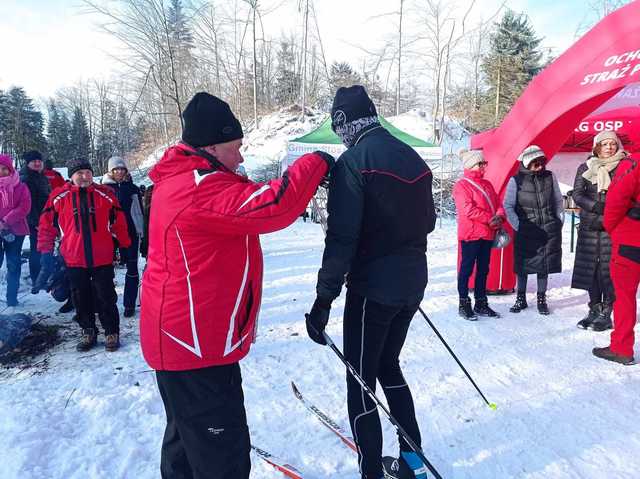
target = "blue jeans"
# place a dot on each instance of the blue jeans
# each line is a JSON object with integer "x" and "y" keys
{"x": 12, "y": 250}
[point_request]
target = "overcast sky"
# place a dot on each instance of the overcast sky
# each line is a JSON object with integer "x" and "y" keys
{"x": 47, "y": 44}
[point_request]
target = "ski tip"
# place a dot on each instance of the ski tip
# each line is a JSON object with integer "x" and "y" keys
{"x": 493, "y": 406}
{"x": 295, "y": 390}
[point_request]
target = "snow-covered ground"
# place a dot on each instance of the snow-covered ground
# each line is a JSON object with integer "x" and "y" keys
{"x": 561, "y": 413}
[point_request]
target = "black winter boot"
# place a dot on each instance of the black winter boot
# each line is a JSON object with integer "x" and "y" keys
{"x": 587, "y": 321}
{"x": 606, "y": 353}
{"x": 67, "y": 307}
{"x": 520, "y": 304}
{"x": 543, "y": 307}
{"x": 481, "y": 308}
{"x": 465, "y": 310}
{"x": 603, "y": 319}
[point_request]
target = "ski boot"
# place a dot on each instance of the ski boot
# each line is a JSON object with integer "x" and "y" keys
{"x": 395, "y": 469}
{"x": 408, "y": 466}
{"x": 481, "y": 308}
{"x": 587, "y": 321}
{"x": 520, "y": 304}
{"x": 465, "y": 310}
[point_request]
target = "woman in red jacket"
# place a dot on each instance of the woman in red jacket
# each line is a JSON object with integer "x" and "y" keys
{"x": 480, "y": 215}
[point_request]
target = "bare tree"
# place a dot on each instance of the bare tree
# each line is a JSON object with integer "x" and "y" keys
{"x": 154, "y": 47}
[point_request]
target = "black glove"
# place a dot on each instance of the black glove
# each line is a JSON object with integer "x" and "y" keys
{"x": 317, "y": 319}
{"x": 46, "y": 270}
{"x": 329, "y": 160}
{"x": 598, "y": 207}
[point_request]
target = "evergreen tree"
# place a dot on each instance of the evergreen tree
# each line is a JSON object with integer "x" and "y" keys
{"x": 21, "y": 125}
{"x": 179, "y": 26}
{"x": 288, "y": 81}
{"x": 58, "y": 132}
{"x": 514, "y": 59}
{"x": 342, "y": 74}
{"x": 107, "y": 138}
{"x": 79, "y": 138}
{"x": 4, "y": 114}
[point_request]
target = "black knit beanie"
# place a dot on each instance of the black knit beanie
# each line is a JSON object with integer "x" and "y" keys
{"x": 78, "y": 164}
{"x": 350, "y": 104}
{"x": 209, "y": 121}
{"x": 32, "y": 155}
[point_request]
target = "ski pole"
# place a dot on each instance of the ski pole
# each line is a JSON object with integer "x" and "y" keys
{"x": 435, "y": 330}
{"x": 372, "y": 395}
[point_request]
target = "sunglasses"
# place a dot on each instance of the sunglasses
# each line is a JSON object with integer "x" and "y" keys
{"x": 536, "y": 164}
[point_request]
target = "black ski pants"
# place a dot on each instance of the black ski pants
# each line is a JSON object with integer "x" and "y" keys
{"x": 95, "y": 285}
{"x": 207, "y": 436}
{"x": 374, "y": 334}
{"x": 474, "y": 253}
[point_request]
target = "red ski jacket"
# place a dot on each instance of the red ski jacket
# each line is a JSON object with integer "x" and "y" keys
{"x": 88, "y": 219}
{"x": 623, "y": 195}
{"x": 474, "y": 210}
{"x": 56, "y": 180}
{"x": 202, "y": 286}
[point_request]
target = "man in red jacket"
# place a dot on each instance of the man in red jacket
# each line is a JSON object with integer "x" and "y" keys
{"x": 622, "y": 222}
{"x": 88, "y": 217}
{"x": 202, "y": 286}
{"x": 56, "y": 180}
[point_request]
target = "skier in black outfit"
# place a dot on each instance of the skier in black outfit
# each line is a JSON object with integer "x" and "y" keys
{"x": 130, "y": 201}
{"x": 32, "y": 174}
{"x": 380, "y": 211}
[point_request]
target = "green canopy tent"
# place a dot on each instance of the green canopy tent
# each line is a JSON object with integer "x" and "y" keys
{"x": 323, "y": 138}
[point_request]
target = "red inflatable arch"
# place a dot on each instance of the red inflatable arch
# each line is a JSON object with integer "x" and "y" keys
{"x": 581, "y": 80}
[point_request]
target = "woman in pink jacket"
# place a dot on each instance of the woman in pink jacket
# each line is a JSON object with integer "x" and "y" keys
{"x": 15, "y": 204}
{"x": 480, "y": 215}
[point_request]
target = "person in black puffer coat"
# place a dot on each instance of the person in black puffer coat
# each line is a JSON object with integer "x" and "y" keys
{"x": 129, "y": 197}
{"x": 32, "y": 174}
{"x": 593, "y": 249}
{"x": 534, "y": 207}
{"x": 380, "y": 211}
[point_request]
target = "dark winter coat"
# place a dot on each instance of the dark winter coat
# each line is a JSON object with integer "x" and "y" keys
{"x": 146, "y": 214}
{"x": 380, "y": 211}
{"x": 40, "y": 189}
{"x": 130, "y": 201}
{"x": 538, "y": 239}
{"x": 594, "y": 244}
